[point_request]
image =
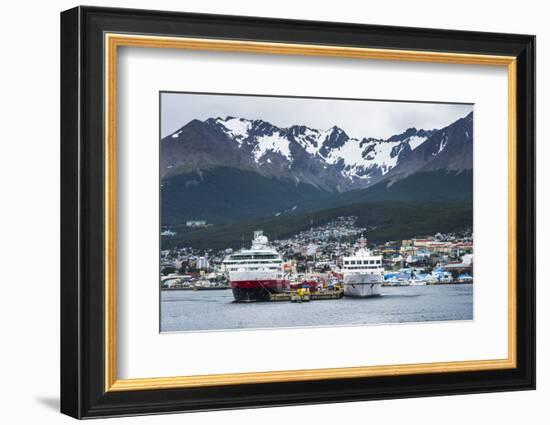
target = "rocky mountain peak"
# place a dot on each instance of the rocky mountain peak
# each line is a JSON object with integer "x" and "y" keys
{"x": 329, "y": 159}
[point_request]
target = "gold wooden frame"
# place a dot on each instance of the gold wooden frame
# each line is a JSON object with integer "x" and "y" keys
{"x": 113, "y": 41}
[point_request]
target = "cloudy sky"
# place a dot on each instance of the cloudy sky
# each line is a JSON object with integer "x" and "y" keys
{"x": 359, "y": 118}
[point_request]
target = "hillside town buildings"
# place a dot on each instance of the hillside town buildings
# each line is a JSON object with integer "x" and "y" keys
{"x": 320, "y": 249}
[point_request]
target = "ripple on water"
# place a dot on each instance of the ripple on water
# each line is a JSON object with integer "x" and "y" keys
{"x": 216, "y": 310}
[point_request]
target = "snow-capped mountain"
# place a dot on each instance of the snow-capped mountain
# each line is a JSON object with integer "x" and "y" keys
{"x": 327, "y": 159}
{"x": 230, "y": 169}
{"x": 449, "y": 149}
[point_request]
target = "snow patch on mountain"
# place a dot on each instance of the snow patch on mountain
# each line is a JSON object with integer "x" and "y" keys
{"x": 275, "y": 142}
{"x": 238, "y": 128}
{"x": 442, "y": 145}
{"x": 349, "y": 153}
{"x": 308, "y": 139}
{"x": 359, "y": 158}
{"x": 385, "y": 155}
{"x": 416, "y": 141}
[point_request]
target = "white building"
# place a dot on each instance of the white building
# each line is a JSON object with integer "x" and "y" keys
{"x": 468, "y": 259}
{"x": 195, "y": 223}
{"x": 202, "y": 263}
{"x": 312, "y": 249}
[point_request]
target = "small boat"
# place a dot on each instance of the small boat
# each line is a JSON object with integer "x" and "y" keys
{"x": 417, "y": 281}
{"x": 439, "y": 275}
{"x": 431, "y": 279}
{"x": 465, "y": 278}
{"x": 395, "y": 281}
{"x": 398, "y": 279}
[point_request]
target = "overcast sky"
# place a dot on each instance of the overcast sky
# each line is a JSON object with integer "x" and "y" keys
{"x": 359, "y": 118}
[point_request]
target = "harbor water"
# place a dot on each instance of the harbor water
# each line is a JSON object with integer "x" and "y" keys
{"x": 216, "y": 309}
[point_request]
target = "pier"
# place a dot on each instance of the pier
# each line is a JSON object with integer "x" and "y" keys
{"x": 305, "y": 296}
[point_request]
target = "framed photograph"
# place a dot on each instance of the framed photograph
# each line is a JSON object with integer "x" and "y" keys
{"x": 261, "y": 212}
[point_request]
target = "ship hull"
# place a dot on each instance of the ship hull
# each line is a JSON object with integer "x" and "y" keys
{"x": 363, "y": 285}
{"x": 257, "y": 290}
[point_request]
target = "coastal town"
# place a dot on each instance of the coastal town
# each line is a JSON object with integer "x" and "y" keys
{"x": 315, "y": 257}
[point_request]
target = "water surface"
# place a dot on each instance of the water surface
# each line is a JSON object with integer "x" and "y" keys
{"x": 216, "y": 310}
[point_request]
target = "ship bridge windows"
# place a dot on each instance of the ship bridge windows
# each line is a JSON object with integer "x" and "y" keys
{"x": 254, "y": 262}
{"x": 364, "y": 263}
{"x": 241, "y": 257}
{"x": 364, "y": 267}
{"x": 254, "y": 256}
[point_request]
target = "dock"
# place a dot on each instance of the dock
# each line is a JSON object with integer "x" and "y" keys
{"x": 305, "y": 296}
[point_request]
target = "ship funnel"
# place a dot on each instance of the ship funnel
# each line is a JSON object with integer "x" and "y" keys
{"x": 258, "y": 233}
{"x": 260, "y": 241}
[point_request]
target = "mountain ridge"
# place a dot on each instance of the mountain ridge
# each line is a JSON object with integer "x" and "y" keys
{"x": 328, "y": 159}
{"x": 235, "y": 168}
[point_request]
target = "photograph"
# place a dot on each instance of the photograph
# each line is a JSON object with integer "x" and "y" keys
{"x": 308, "y": 210}
{"x": 281, "y": 212}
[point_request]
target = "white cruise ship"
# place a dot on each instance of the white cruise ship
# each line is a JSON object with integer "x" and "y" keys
{"x": 363, "y": 273}
{"x": 257, "y": 272}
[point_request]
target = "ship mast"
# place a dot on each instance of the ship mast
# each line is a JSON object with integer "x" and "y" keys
{"x": 363, "y": 245}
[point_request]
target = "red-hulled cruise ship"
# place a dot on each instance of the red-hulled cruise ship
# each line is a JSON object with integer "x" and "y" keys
{"x": 257, "y": 272}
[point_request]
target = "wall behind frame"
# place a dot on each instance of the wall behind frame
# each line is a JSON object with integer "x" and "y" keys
{"x": 29, "y": 219}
